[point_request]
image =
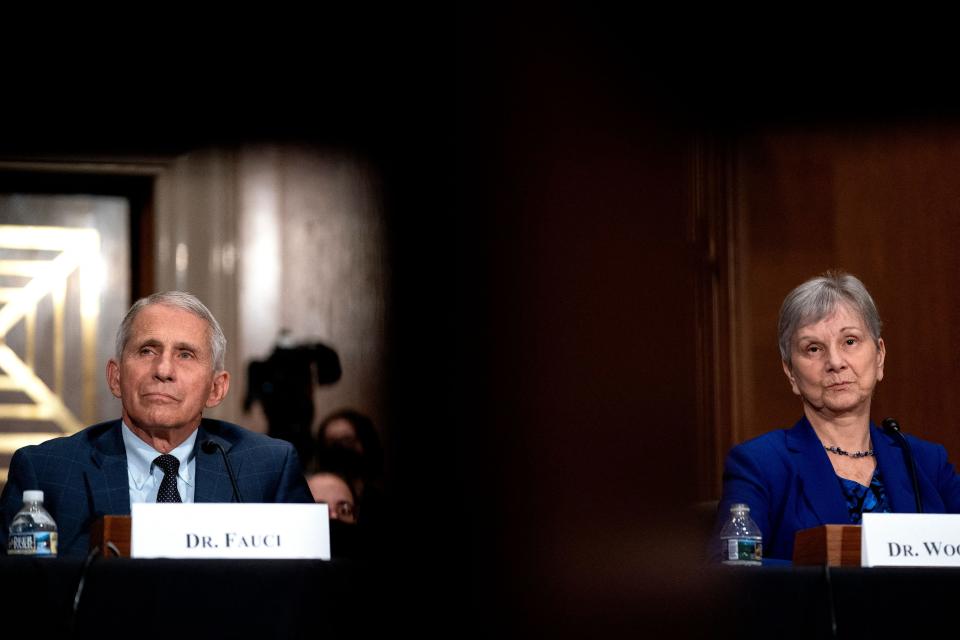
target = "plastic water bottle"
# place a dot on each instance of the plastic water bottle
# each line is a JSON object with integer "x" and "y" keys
{"x": 32, "y": 532}
{"x": 741, "y": 540}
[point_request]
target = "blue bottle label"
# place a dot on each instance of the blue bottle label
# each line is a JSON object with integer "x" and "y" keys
{"x": 36, "y": 543}
{"x": 744, "y": 549}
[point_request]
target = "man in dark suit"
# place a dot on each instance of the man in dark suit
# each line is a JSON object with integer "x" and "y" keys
{"x": 168, "y": 368}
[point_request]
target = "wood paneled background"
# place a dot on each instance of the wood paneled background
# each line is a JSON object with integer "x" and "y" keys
{"x": 881, "y": 201}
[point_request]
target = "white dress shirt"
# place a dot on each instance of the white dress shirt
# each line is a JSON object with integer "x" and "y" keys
{"x": 145, "y": 477}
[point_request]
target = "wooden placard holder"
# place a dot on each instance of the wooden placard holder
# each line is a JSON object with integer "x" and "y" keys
{"x": 109, "y": 533}
{"x": 834, "y": 545}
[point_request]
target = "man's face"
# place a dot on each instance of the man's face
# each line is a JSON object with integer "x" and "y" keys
{"x": 165, "y": 376}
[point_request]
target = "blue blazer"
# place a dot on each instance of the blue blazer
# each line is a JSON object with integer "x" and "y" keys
{"x": 787, "y": 480}
{"x": 84, "y": 476}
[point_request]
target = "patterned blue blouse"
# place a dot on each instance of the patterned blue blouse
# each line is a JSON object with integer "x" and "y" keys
{"x": 861, "y": 499}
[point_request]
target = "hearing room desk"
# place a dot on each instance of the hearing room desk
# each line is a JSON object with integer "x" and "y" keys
{"x": 196, "y": 598}
{"x": 842, "y": 602}
{"x": 346, "y": 599}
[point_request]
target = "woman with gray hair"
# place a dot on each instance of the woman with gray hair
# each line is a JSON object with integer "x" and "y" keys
{"x": 833, "y": 465}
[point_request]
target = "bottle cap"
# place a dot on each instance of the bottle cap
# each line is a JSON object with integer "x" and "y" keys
{"x": 33, "y": 495}
{"x": 739, "y": 506}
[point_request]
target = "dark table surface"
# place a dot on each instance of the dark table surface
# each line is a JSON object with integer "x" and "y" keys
{"x": 348, "y": 598}
{"x": 140, "y": 598}
{"x": 843, "y": 602}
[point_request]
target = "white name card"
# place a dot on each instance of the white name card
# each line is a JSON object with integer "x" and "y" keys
{"x": 910, "y": 540}
{"x": 229, "y": 530}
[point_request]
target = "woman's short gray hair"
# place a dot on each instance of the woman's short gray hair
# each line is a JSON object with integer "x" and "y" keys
{"x": 817, "y": 298}
{"x": 180, "y": 300}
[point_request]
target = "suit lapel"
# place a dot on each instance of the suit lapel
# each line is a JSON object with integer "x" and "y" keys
{"x": 818, "y": 482}
{"x": 893, "y": 472}
{"x": 213, "y": 481}
{"x": 107, "y": 479}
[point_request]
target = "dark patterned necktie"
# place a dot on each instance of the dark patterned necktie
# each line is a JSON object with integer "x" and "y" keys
{"x": 168, "y": 486}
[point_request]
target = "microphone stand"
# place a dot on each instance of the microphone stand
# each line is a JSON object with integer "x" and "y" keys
{"x": 209, "y": 446}
{"x": 892, "y": 427}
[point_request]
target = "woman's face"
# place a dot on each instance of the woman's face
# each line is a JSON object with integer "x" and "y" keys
{"x": 835, "y": 364}
{"x": 334, "y": 491}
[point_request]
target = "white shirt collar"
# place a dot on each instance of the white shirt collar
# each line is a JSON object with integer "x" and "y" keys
{"x": 140, "y": 457}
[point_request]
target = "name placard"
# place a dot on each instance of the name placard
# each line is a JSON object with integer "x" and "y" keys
{"x": 228, "y": 530}
{"x": 910, "y": 540}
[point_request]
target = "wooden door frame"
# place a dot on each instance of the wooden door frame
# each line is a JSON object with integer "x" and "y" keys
{"x": 132, "y": 179}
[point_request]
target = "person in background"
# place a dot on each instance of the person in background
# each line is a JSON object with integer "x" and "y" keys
{"x": 834, "y": 464}
{"x": 331, "y": 481}
{"x": 347, "y": 443}
{"x": 333, "y": 490}
{"x": 283, "y": 385}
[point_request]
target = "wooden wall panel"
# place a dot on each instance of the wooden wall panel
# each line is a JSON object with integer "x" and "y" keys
{"x": 880, "y": 201}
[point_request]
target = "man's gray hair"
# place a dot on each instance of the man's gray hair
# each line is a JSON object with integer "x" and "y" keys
{"x": 819, "y": 297}
{"x": 179, "y": 300}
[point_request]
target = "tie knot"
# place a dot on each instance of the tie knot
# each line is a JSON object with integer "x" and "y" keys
{"x": 167, "y": 463}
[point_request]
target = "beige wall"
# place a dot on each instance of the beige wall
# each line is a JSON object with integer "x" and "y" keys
{"x": 275, "y": 237}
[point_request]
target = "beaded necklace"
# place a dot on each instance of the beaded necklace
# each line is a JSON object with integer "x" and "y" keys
{"x": 852, "y": 454}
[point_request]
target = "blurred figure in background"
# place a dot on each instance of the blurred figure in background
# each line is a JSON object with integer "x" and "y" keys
{"x": 283, "y": 386}
{"x": 332, "y": 487}
{"x": 333, "y": 490}
{"x": 347, "y": 444}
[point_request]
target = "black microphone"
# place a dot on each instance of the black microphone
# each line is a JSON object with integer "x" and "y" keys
{"x": 209, "y": 446}
{"x": 892, "y": 427}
